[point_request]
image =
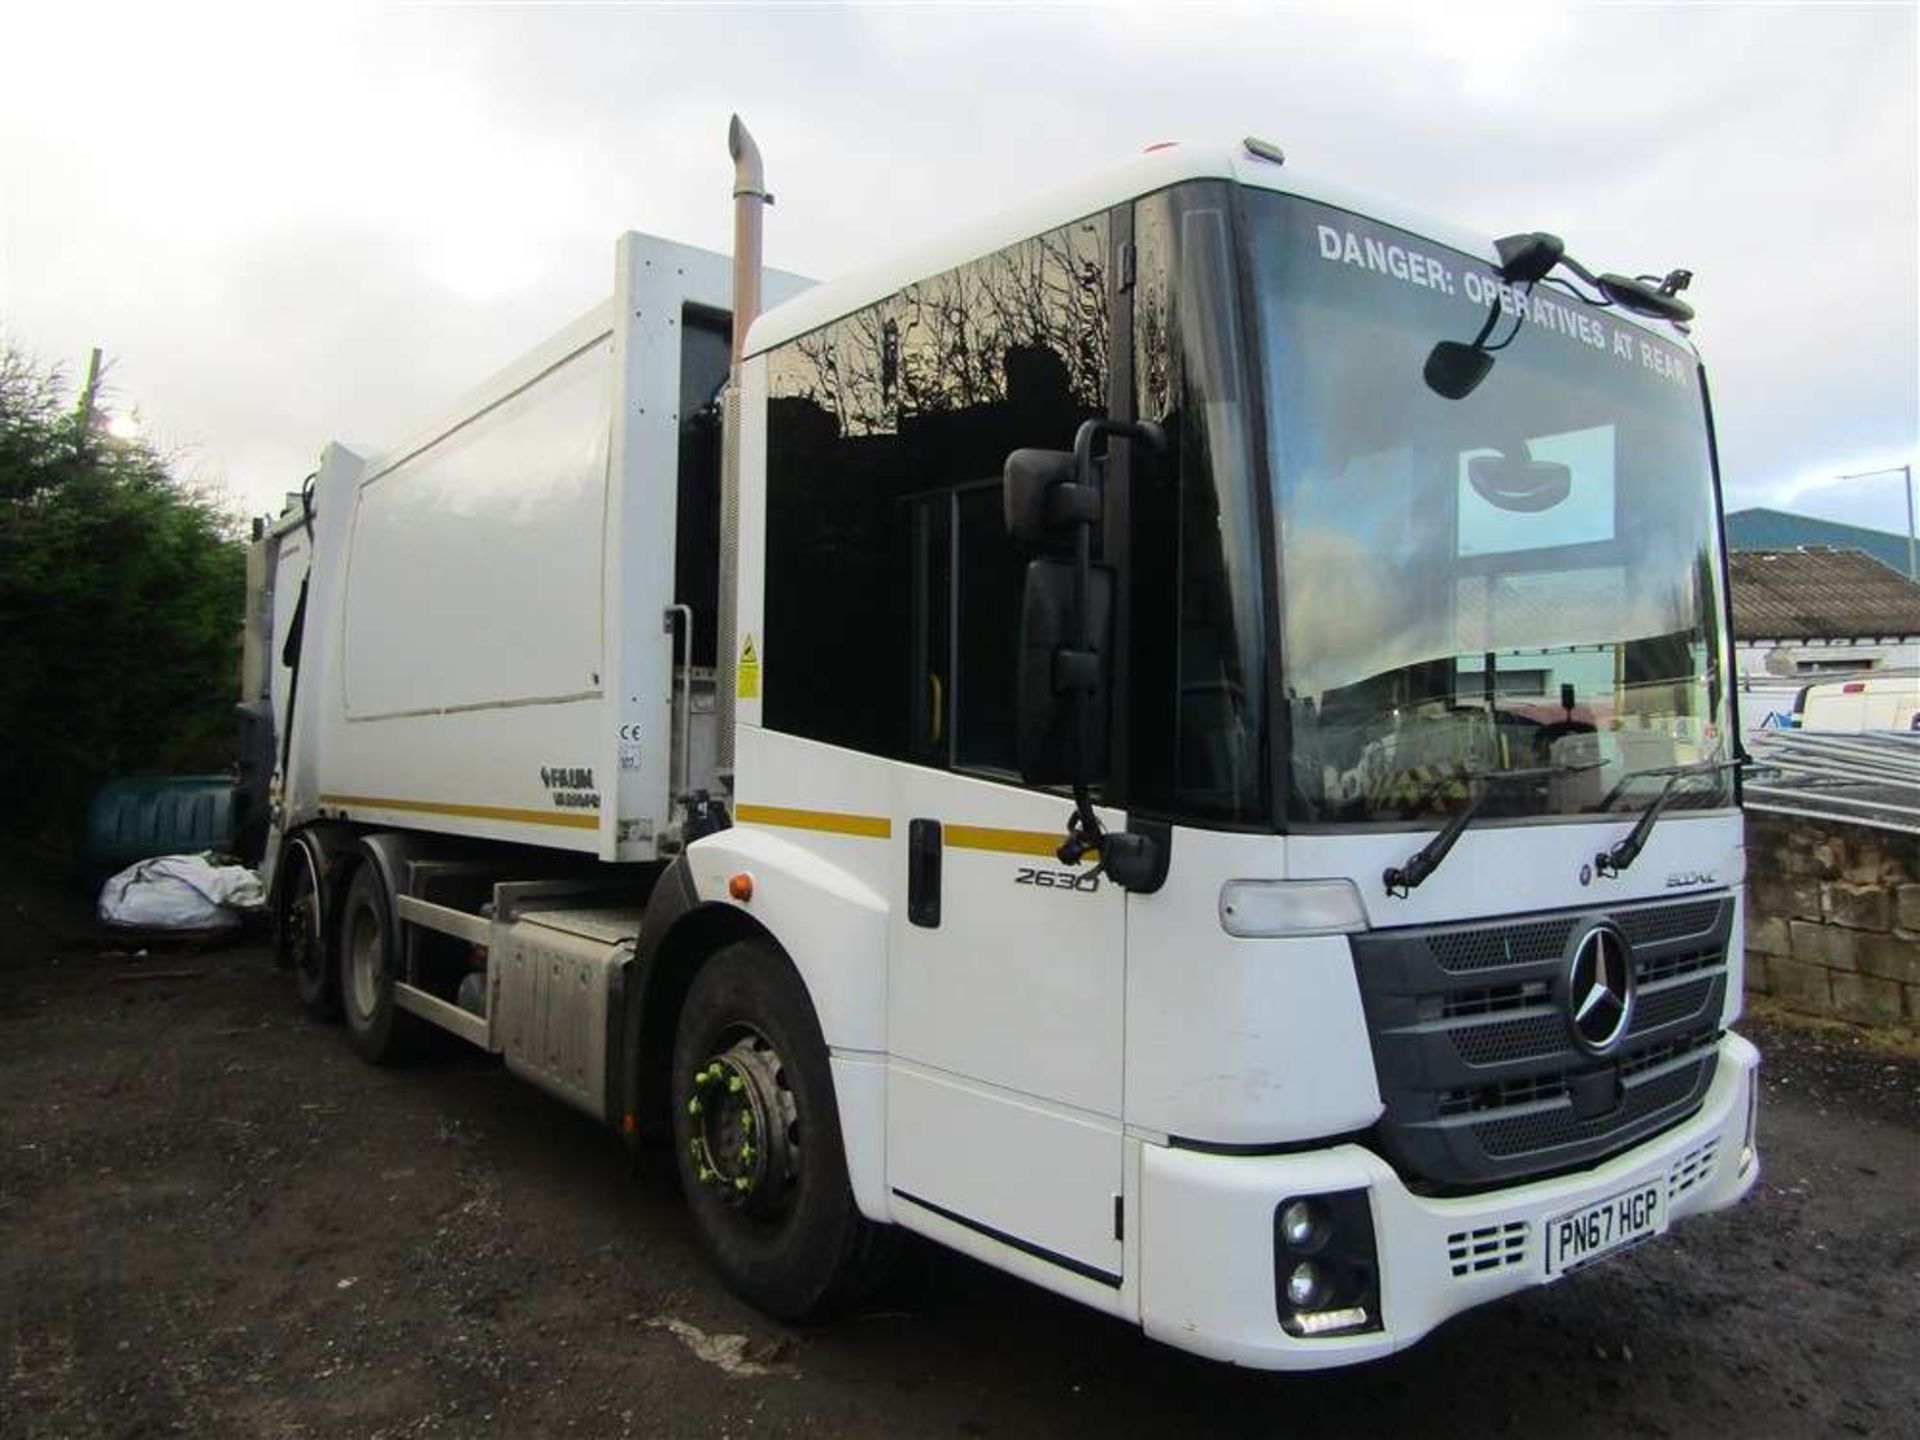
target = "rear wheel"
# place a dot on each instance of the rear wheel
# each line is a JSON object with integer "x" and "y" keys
{"x": 369, "y": 964}
{"x": 758, "y": 1141}
{"x": 303, "y": 934}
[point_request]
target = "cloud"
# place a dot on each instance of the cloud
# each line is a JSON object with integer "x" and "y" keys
{"x": 295, "y": 224}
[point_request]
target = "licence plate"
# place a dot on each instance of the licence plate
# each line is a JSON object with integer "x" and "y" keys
{"x": 1602, "y": 1229}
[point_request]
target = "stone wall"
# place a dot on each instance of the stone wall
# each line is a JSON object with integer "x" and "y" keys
{"x": 1833, "y": 919}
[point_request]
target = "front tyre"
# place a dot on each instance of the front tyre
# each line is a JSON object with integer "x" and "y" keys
{"x": 757, "y": 1137}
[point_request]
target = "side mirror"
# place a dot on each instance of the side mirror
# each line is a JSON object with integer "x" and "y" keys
{"x": 1042, "y": 500}
{"x": 1054, "y": 669}
{"x": 1454, "y": 371}
{"x": 1137, "y": 860}
{"x": 1528, "y": 486}
{"x": 1644, "y": 299}
{"x": 1052, "y": 502}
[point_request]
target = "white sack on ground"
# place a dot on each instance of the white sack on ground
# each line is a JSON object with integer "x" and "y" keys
{"x": 180, "y": 892}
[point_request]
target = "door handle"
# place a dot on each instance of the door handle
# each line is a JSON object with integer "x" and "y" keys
{"x": 923, "y": 873}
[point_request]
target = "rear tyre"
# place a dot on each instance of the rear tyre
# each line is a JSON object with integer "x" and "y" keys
{"x": 303, "y": 933}
{"x": 379, "y": 1029}
{"x": 757, "y": 1137}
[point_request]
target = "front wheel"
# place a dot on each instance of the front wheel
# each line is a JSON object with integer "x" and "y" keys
{"x": 758, "y": 1140}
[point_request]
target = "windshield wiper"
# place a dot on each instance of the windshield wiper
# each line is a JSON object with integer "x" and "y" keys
{"x": 1402, "y": 880}
{"x": 1697, "y": 767}
{"x": 1611, "y": 862}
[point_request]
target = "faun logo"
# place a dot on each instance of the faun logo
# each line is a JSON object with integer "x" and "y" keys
{"x": 566, "y": 777}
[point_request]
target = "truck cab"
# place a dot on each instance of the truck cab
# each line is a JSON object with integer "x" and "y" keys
{"x": 1348, "y": 613}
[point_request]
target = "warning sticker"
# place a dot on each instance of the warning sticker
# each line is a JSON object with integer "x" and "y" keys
{"x": 1375, "y": 249}
{"x": 747, "y": 683}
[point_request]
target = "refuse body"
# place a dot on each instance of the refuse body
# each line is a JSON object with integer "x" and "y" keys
{"x": 181, "y": 893}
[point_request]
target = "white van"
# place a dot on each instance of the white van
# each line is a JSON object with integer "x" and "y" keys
{"x": 1880, "y": 700}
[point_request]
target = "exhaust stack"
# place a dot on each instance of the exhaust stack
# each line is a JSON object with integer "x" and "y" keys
{"x": 750, "y": 200}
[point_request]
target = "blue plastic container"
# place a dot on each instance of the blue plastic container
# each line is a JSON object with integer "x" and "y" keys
{"x": 134, "y": 818}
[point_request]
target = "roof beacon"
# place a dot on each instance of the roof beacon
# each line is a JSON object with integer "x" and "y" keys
{"x": 1264, "y": 150}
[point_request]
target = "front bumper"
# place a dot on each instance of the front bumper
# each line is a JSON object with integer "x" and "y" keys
{"x": 1206, "y": 1239}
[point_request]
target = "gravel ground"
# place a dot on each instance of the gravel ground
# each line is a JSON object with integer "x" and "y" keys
{"x": 215, "y": 1220}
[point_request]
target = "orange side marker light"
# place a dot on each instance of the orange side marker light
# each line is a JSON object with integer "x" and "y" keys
{"x": 740, "y": 887}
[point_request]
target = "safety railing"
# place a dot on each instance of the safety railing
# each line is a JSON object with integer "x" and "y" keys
{"x": 1868, "y": 778}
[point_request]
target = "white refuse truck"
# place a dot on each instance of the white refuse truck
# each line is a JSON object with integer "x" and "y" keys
{"x": 1179, "y": 742}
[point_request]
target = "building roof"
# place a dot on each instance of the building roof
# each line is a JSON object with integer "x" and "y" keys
{"x": 1818, "y": 592}
{"x": 1763, "y": 529}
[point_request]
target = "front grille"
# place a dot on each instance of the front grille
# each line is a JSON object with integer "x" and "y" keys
{"x": 1531, "y": 1025}
{"x": 1465, "y": 950}
{"x": 1680, "y": 1047}
{"x": 1662, "y": 924}
{"x": 1657, "y": 1009}
{"x": 1511, "y": 1040}
{"x": 1482, "y": 1082}
{"x": 1490, "y": 1002}
{"x": 1684, "y": 962}
{"x": 1559, "y": 1127}
{"x": 1505, "y": 1096}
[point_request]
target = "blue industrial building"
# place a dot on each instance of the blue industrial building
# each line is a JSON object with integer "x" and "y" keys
{"x": 1763, "y": 529}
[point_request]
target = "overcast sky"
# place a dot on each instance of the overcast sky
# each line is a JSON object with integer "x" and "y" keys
{"x": 292, "y": 225}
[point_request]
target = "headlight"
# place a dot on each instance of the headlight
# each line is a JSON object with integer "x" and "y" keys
{"x": 1325, "y": 1268}
{"x": 1301, "y": 1227}
{"x": 1304, "y": 1285}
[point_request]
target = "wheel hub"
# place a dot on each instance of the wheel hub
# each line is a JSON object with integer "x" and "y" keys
{"x": 745, "y": 1140}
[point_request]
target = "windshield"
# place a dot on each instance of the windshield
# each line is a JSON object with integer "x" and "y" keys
{"x": 1526, "y": 577}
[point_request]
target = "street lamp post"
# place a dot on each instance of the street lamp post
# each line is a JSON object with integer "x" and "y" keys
{"x": 1906, "y": 474}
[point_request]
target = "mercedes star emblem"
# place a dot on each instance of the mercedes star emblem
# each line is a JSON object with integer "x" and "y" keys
{"x": 1600, "y": 989}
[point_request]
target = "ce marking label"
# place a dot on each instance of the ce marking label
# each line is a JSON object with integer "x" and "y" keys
{"x": 630, "y": 732}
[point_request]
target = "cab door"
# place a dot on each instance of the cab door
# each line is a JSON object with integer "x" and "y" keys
{"x": 1007, "y": 971}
